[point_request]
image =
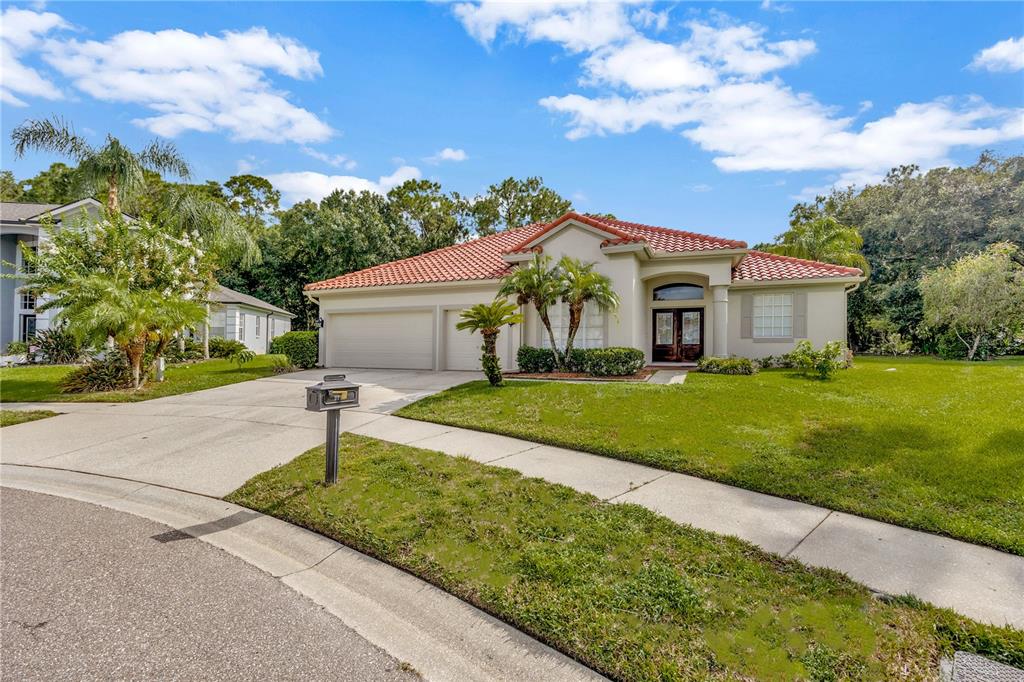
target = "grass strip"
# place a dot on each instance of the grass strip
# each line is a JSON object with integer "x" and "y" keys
{"x": 923, "y": 443}
{"x": 12, "y": 417}
{"x": 630, "y": 593}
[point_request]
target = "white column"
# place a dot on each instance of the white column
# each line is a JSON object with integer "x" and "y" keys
{"x": 720, "y": 296}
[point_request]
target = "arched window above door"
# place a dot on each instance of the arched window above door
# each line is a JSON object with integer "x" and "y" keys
{"x": 679, "y": 292}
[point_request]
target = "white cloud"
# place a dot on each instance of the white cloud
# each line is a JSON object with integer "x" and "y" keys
{"x": 721, "y": 90}
{"x": 448, "y": 154}
{"x": 295, "y": 187}
{"x": 198, "y": 82}
{"x": 21, "y": 32}
{"x": 247, "y": 165}
{"x": 700, "y": 187}
{"x": 335, "y": 160}
{"x": 577, "y": 25}
{"x": 1006, "y": 55}
{"x": 773, "y": 6}
{"x": 647, "y": 18}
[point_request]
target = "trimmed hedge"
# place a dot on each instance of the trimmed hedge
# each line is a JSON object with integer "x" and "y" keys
{"x": 302, "y": 348}
{"x": 602, "y": 362}
{"x": 726, "y": 366}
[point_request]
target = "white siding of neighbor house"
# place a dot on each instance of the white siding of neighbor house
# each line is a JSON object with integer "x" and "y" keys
{"x": 631, "y": 324}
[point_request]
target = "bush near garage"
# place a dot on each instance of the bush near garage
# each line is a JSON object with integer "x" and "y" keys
{"x": 301, "y": 348}
{"x": 726, "y": 366}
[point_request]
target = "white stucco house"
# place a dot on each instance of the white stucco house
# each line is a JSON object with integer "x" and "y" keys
{"x": 683, "y": 295}
{"x": 232, "y": 314}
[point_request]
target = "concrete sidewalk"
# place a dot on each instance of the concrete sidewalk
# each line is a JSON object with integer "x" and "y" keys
{"x": 442, "y": 637}
{"x": 979, "y": 582}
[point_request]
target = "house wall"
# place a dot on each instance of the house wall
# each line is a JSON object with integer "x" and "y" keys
{"x": 826, "y": 318}
{"x": 8, "y": 249}
{"x": 435, "y": 299}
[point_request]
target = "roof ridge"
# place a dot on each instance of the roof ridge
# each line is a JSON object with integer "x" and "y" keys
{"x": 673, "y": 230}
{"x": 797, "y": 259}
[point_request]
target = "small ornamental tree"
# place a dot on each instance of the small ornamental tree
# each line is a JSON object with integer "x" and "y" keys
{"x": 977, "y": 296}
{"x": 131, "y": 283}
{"x": 579, "y": 285}
{"x": 488, "y": 319}
{"x": 538, "y": 284}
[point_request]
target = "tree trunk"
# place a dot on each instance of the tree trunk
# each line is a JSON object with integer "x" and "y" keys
{"x": 546, "y": 321}
{"x": 134, "y": 351}
{"x": 575, "y": 317}
{"x": 113, "y": 204}
{"x": 973, "y": 348}
{"x": 161, "y": 346}
{"x": 206, "y": 334}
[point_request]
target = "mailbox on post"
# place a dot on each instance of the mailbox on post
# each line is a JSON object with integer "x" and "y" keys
{"x": 332, "y": 395}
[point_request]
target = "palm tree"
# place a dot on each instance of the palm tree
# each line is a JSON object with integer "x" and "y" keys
{"x": 579, "y": 285}
{"x": 535, "y": 283}
{"x": 113, "y": 166}
{"x": 823, "y": 239}
{"x": 488, "y": 319}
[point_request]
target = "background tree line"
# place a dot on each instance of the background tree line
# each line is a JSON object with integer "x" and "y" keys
{"x": 908, "y": 225}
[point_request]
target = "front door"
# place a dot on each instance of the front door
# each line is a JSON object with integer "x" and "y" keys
{"x": 678, "y": 335}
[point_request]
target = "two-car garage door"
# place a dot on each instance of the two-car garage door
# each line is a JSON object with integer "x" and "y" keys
{"x": 400, "y": 340}
{"x": 403, "y": 340}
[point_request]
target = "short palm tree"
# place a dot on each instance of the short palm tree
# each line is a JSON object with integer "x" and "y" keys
{"x": 823, "y": 239}
{"x": 580, "y": 285}
{"x": 535, "y": 283}
{"x": 112, "y": 167}
{"x": 488, "y": 319}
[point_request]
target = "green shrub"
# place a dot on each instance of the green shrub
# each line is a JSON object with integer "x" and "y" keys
{"x": 823, "y": 363}
{"x": 534, "y": 360}
{"x": 281, "y": 364}
{"x": 109, "y": 373}
{"x": 727, "y": 366}
{"x": 193, "y": 350}
{"x": 17, "y": 348}
{"x": 614, "y": 361}
{"x": 224, "y": 348}
{"x": 302, "y": 348}
{"x": 57, "y": 346}
{"x": 243, "y": 356}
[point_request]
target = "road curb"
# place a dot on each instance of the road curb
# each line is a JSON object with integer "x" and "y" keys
{"x": 442, "y": 637}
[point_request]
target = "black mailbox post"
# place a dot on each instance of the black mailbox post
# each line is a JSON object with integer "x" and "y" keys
{"x": 332, "y": 395}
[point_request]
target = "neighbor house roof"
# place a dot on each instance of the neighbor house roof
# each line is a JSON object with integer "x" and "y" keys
{"x": 761, "y": 266}
{"x": 222, "y": 294}
{"x": 17, "y": 212}
{"x": 483, "y": 258}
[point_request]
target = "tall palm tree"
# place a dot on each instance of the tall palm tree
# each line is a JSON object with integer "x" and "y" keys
{"x": 580, "y": 285}
{"x": 112, "y": 167}
{"x": 488, "y": 319}
{"x": 823, "y": 239}
{"x": 535, "y": 283}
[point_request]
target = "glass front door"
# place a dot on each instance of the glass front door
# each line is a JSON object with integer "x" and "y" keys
{"x": 678, "y": 335}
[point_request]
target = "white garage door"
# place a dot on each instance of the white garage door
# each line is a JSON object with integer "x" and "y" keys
{"x": 462, "y": 349}
{"x": 399, "y": 340}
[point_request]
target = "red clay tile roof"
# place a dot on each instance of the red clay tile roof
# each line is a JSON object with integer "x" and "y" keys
{"x": 481, "y": 259}
{"x": 623, "y": 232}
{"x": 475, "y": 259}
{"x": 759, "y": 266}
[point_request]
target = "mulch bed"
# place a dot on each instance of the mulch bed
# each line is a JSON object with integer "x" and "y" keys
{"x": 642, "y": 375}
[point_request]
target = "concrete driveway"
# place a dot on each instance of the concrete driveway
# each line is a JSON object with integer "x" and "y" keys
{"x": 207, "y": 442}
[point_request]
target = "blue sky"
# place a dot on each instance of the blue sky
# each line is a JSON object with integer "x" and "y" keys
{"x": 711, "y": 117}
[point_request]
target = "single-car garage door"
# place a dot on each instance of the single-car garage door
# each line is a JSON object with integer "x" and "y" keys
{"x": 462, "y": 349}
{"x": 399, "y": 340}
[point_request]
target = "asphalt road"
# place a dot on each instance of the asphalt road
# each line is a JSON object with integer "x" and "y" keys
{"x": 91, "y": 593}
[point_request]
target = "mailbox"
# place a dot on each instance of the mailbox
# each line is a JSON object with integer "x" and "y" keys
{"x": 333, "y": 393}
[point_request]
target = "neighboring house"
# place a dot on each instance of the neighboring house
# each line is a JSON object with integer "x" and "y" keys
{"x": 683, "y": 295}
{"x": 22, "y": 223}
{"x": 234, "y": 315}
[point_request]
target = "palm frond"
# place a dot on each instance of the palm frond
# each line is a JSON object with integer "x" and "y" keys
{"x": 164, "y": 157}
{"x": 54, "y": 135}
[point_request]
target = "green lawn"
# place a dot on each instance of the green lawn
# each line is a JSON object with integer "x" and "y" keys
{"x": 936, "y": 445}
{"x": 38, "y": 383}
{"x": 12, "y": 417}
{"x": 618, "y": 587}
